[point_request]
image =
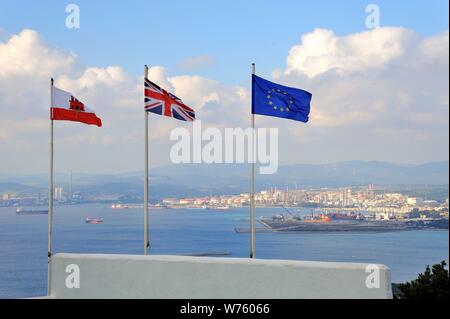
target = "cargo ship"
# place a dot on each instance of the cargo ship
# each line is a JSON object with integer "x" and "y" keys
{"x": 322, "y": 218}
{"x": 23, "y": 211}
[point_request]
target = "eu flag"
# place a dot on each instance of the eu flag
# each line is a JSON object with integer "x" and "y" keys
{"x": 273, "y": 99}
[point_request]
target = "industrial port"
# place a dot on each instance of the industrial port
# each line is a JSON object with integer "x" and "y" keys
{"x": 343, "y": 222}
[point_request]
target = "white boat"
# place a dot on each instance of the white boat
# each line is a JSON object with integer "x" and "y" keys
{"x": 23, "y": 211}
{"x": 119, "y": 206}
{"x": 221, "y": 208}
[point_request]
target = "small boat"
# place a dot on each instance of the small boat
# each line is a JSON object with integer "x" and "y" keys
{"x": 221, "y": 208}
{"x": 197, "y": 207}
{"x": 90, "y": 220}
{"x": 119, "y": 206}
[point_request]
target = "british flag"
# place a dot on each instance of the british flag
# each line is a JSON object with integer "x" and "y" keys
{"x": 159, "y": 101}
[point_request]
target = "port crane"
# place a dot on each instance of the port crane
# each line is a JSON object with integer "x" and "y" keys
{"x": 290, "y": 213}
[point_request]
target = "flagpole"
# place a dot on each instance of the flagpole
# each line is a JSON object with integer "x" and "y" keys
{"x": 50, "y": 193}
{"x": 146, "y": 233}
{"x": 252, "y": 184}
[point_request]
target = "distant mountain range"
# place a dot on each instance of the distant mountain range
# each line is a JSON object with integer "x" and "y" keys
{"x": 204, "y": 179}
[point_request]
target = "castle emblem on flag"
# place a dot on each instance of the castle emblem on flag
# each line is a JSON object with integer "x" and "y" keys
{"x": 76, "y": 105}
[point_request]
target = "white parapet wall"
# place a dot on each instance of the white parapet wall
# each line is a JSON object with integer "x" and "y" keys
{"x": 158, "y": 276}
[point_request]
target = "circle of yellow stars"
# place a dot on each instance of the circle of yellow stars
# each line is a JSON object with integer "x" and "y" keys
{"x": 275, "y": 107}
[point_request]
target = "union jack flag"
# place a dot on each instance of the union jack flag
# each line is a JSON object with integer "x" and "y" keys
{"x": 159, "y": 101}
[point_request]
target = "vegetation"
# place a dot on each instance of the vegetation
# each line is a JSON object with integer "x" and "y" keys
{"x": 434, "y": 283}
{"x": 416, "y": 213}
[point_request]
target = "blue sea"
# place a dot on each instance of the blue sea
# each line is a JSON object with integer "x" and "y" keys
{"x": 23, "y": 241}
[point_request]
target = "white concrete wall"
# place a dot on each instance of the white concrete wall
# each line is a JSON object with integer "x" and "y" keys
{"x": 132, "y": 276}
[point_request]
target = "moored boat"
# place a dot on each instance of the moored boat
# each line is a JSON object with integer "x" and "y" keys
{"x": 221, "y": 207}
{"x": 97, "y": 220}
{"x": 23, "y": 211}
{"x": 119, "y": 206}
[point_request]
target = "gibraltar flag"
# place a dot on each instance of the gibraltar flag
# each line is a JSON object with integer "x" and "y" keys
{"x": 67, "y": 108}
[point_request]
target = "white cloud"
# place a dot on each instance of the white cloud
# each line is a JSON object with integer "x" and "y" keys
{"x": 196, "y": 62}
{"x": 435, "y": 48}
{"x": 213, "y": 101}
{"x": 26, "y": 65}
{"x": 321, "y": 50}
{"x": 380, "y": 94}
{"x": 385, "y": 91}
{"x": 26, "y": 53}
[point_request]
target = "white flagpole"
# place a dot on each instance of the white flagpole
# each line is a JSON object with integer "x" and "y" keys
{"x": 50, "y": 194}
{"x": 252, "y": 184}
{"x": 146, "y": 233}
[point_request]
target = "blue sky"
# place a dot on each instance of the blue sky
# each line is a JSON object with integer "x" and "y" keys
{"x": 236, "y": 33}
{"x": 378, "y": 94}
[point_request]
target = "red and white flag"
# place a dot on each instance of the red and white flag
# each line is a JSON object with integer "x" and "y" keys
{"x": 66, "y": 107}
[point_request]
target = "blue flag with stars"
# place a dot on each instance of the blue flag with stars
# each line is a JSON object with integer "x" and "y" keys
{"x": 273, "y": 99}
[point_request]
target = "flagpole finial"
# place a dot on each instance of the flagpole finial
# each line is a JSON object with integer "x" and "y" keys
{"x": 51, "y": 81}
{"x": 253, "y": 68}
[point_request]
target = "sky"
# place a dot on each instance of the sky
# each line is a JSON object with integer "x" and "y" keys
{"x": 378, "y": 94}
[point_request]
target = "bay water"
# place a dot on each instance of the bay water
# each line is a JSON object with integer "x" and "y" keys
{"x": 23, "y": 241}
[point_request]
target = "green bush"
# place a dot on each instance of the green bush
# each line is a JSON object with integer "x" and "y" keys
{"x": 434, "y": 283}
